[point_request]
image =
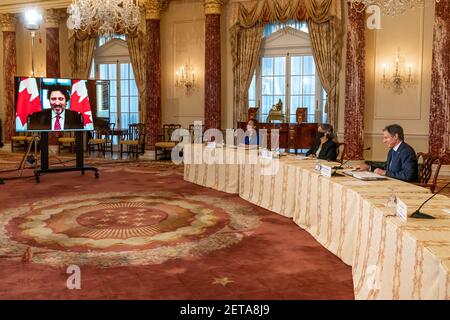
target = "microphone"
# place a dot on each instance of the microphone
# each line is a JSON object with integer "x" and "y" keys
{"x": 420, "y": 215}
{"x": 342, "y": 165}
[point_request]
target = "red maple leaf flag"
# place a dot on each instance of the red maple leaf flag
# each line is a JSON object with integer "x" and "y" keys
{"x": 79, "y": 101}
{"x": 28, "y": 101}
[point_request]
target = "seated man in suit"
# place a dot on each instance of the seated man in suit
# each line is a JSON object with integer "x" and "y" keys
{"x": 324, "y": 148}
{"x": 401, "y": 160}
{"x": 57, "y": 117}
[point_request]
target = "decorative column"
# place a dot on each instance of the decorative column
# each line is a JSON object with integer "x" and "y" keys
{"x": 153, "y": 73}
{"x": 52, "y": 63}
{"x": 439, "y": 138}
{"x": 8, "y": 25}
{"x": 212, "y": 63}
{"x": 355, "y": 84}
{"x": 52, "y": 18}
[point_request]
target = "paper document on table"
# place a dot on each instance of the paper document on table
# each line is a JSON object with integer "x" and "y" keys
{"x": 446, "y": 210}
{"x": 350, "y": 172}
{"x": 366, "y": 175}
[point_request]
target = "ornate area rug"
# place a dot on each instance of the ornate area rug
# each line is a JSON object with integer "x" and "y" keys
{"x": 142, "y": 232}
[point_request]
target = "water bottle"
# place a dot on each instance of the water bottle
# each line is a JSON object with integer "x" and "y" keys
{"x": 392, "y": 199}
{"x": 318, "y": 166}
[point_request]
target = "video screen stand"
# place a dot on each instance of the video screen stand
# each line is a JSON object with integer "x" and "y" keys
{"x": 79, "y": 165}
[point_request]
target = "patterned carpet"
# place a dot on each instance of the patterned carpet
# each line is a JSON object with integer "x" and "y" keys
{"x": 142, "y": 232}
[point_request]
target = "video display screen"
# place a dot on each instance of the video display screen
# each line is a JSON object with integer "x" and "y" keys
{"x": 48, "y": 104}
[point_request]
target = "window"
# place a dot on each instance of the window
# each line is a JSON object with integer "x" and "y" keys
{"x": 273, "y": 80}
{"x": 287, "y": 72}
{"x": 112, "y": 62}
{"x": 252, "y": 93}
{"x": 303, "y": 86}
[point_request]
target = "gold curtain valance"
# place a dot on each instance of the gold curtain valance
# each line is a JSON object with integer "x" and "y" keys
{"x": 259, "y": 12}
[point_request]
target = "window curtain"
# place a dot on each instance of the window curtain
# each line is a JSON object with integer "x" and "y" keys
{"x": 137, "y": 50}
{"x": 245, "y": 58}
{"x": 323, "y": 17}
{"x": 81, "y": 52}
{"x": 327, "y": 41}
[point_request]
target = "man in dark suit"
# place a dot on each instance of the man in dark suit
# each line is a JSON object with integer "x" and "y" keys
{"x": 324, "y": 147}
{"x": 401, "y": 161}
{"x": 58, "y": 117}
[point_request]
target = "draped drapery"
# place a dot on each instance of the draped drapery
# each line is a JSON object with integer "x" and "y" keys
{"x": 81, "y": 52}
{"x": 326, "y": 41}
{"x": 137, "y": 50}
{"x": 324, "y": 20}
{"x": 245, "y": 58}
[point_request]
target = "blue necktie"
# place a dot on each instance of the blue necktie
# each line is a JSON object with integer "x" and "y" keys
{"x": 394, "y": 154}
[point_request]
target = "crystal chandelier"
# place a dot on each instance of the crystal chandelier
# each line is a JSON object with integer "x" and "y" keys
{"x": 390, "y": 7}
{"x": 106, "y": 16}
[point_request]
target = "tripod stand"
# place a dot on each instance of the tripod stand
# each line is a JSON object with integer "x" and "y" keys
{"x": 34, "y": 140}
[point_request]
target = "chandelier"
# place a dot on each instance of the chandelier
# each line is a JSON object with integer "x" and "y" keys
{"x": 389, "y": 7}
{"x": 105, "y": 16}
{"x": 399, "y": 79}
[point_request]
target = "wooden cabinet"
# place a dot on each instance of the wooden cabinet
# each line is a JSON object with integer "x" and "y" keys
{"x": 291, "y": 135}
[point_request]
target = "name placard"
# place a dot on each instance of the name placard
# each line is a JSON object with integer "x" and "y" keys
{"x": 211, "y": 144}
{"x": 266, "y": 153}
{"x": 402, "y": 210}
{"x": 326, "y": 171}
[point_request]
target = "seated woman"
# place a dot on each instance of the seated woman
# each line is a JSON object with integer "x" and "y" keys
{"x": 324, "y": 148}
{"x": 251, "y": 135}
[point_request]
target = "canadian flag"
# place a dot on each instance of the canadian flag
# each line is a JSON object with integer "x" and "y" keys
{"x": 28, "y": 101}
{"x": 79, "y": 101}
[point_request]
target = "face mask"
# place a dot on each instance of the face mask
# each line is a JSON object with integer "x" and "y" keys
{"x": 320, "y": 134}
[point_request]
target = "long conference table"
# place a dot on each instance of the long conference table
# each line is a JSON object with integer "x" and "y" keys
{"x": 390, "y": 258}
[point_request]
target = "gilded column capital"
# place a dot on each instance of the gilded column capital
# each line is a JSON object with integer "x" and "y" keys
{"x": 213, "y": 6}
{"x": 52, "y": 18}
{"x": 8, "y": 22}
{"x": 153, "y": 8}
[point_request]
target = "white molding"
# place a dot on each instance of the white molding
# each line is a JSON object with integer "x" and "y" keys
{"x": 148, "y": 155}
{"x": 6, "y": 148}
{"x": 270, "y": 48}
{"x": 112, "y": 51}
{"x": 379, "y": 135}
{"x": 412, "y": 135}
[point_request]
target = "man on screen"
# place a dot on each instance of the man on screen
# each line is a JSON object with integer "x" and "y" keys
{"x": 57, "y": 117}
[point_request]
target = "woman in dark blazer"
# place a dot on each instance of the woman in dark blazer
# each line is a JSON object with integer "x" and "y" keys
{"x": 252, "y": 135}
{"x": 325, "y": 148}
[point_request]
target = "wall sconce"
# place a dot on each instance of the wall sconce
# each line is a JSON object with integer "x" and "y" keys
{"x": 185, "y": 77}
{"x": 32, "y": 23}
{"x": 398, "y": 81}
